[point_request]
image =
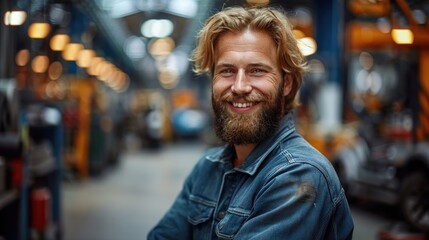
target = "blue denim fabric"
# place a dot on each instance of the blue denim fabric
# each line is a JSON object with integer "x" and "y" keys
{"x": 285, "y": 189}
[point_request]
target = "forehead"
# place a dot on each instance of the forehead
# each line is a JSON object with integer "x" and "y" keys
{"x": 256, "y": 42}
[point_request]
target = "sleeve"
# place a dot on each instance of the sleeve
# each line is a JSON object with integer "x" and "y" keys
{"x": 295, "y": 203}
{"x": 174, "y": 224}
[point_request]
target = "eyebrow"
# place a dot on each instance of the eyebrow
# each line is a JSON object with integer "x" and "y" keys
{"x": 224, "y": 64}
{"x": 260, "y": 64}
{"x": 256, "y": 64}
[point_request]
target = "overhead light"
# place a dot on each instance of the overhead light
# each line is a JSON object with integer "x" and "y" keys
{"x": 105, "y": 71}
{"x": 161, "y": 47}
{"x": 22, "y": 57}
{"x": 402, "y": 36}
{"x": 157, "y": 28}
{"x": 59, "y": 41}
{"x": 117, "y": 79}
{"x": 93, "y": 68}
{"x": 40, "y": 64}
{"x": 114, "y": 78}
{"x": 307, "y": 45}
{"x": 14, "y": 18}
{"x": 71, "y": 51}
{"x": 39, "y": 30}
{"x": 121, "y": 83}
{"x": 84, "y": 58}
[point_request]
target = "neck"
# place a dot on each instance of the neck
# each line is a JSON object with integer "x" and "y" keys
{"x": 242, "y": 151}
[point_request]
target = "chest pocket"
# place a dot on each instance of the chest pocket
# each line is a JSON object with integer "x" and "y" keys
{"x": 229, "y": 226}
{"x": 200, "y": 210}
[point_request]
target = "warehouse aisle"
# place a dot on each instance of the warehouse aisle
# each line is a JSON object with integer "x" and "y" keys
{"x": 126, "y": 201}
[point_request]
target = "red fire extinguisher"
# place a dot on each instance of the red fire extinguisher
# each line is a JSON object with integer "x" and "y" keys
{"x": 40, "y": 209}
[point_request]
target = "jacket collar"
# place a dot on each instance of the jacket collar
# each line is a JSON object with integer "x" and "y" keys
{"x": 261, "y": 151}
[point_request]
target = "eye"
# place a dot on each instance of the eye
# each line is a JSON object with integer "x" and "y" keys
{"x": 257, "y": 71}
{"x": 226, "y": 71}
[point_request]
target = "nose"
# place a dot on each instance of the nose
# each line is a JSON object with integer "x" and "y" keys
{"x": 241, "y": 84}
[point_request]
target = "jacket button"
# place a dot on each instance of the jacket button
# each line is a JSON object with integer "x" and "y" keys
{"x": 221, "y": 215}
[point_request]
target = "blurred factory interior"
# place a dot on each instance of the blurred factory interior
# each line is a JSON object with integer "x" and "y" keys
{"x": 95, "y": 93}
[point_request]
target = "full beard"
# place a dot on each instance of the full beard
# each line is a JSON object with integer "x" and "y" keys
{"x": 241, "y": 129}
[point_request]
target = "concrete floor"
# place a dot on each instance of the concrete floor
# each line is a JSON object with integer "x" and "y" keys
{"x": 125, "y": 202}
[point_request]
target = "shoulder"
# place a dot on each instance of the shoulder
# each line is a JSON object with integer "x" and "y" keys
{"x": 296, "y": 160}
{"x": 298, "y": 150}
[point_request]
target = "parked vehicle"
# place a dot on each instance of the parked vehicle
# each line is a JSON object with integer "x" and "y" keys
{"x": 386, "y": 165}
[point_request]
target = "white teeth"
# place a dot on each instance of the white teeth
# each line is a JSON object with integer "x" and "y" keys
{"x": 242, "y": 105}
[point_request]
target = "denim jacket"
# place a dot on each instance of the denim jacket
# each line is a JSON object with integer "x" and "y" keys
{"x": 285, "y": 189}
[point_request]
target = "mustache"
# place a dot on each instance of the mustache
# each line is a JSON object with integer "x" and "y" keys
{"x": 252, "y": 97}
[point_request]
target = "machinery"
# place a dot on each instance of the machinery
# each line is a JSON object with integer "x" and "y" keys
{"x": 388, "y": 159}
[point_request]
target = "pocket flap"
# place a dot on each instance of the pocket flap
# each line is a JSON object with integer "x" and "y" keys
{"x": 200, "y": 210}
{"x": 229, "y": 226}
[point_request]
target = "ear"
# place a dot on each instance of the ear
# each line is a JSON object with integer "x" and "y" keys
{"x": 287, "y": 84}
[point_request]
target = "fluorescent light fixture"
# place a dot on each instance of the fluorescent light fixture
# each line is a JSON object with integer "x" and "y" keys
{"x": 157, "y": 28}
{"x": 14, "y": 18}
{"x": 307, "y": 45}
{"x": 402, "y": 36}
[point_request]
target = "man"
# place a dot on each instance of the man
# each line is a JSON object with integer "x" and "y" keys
{"x": 267, "y": 182}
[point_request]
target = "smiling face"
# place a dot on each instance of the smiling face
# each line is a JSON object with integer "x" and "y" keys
{"x": 248, "y": 87}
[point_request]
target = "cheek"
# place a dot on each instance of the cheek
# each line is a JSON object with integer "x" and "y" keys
{"x": 220, "y": 86}
{"x": 268, "y": 87}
